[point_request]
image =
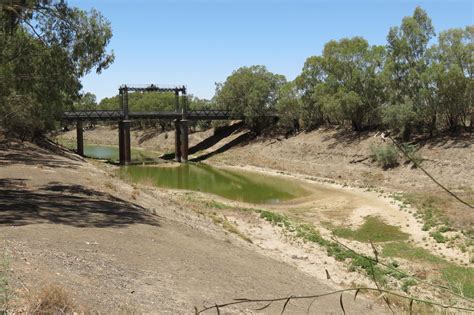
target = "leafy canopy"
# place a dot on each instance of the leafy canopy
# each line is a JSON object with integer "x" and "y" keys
{"x": 47, "y": 46}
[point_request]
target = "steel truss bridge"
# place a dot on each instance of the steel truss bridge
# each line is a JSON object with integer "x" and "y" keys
{"x": 180, "y": 116}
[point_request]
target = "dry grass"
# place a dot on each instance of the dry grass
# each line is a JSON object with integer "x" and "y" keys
{"x": 52, "y": 299}
{"x": 110, "y": 186}
{"x": 229, "y": 227}
{"x": 135, "y": 193}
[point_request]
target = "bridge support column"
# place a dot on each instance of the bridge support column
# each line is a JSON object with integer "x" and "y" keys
{"x": 184, "y": 140}
{"x": 80, "y": 138}
{"x": 177, "y": 140}
{"x": 125, "y": 154}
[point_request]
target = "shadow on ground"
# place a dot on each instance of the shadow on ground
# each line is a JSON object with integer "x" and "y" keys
{"x": 19, "y": 153}
{"x": 220, "y": 134}
{"x": 240, "y": 140}
{"x": 345, "y": 136}
{"x": 73, "y": 205}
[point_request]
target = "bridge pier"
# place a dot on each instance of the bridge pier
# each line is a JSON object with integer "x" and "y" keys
{"x": 177, "y": 140}
{"x": 80, "y": 138}
{"x": 184, "y": 140}
{"x": 125, "y": 154}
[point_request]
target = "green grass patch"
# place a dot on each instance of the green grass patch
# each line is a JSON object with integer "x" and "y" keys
{"x": 308, "y": 233}
{"x": 275, "y": 218}
{"x": 373, "y": 229}
{"x": 459, "y": 278}
{"x": 410, "y": 252}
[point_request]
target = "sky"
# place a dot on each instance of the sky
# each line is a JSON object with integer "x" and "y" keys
{"x": 197, "y": 43}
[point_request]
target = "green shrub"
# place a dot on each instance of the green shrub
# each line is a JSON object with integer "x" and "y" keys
{"x": 386, "y": 156}
{"x": 439, "y": 238}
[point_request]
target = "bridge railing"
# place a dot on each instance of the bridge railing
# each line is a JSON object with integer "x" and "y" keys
{"x": 92, "y": 115}
{"x": 102, "y": 115}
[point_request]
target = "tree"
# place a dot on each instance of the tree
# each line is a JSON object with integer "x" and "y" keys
{"x": 407, "y": 65}
{"x": 311, "y": 85}
{"x": 354, "y": 74}
{"x": 345, "y": 83}
{"x": 289, "y": 106}
{"x": 87, "y": 101}
{"x": 250, "y": 91}
{"x": 453, "y": 69}
{"x": 46, "y": 48}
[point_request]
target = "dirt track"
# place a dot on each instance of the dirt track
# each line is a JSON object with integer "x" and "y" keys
{"x": 67, "y": 222}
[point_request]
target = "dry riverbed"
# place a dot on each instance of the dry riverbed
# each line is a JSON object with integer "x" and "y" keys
{"x": 300, "y": 234}
{"x": 116, "y": 247}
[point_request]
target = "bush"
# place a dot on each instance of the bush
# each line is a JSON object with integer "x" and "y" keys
{"x": 386, "y": 156}
{"x": 401, "y": 118}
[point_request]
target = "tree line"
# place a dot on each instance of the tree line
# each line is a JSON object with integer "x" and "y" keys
{"x": 408, "y": 85}
{"x": 412, "y": 84}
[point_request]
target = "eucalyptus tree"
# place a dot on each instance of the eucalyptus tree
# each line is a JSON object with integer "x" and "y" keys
{"x": 288, "y": 106}
{"x": 47, "y": 46}
{"x": 311, "y": 84}
{"x": 344, "y": 84}
{"x": 250, "y": 91}
{"x": 407, "y": 72}
{"x": 453, "y": 69}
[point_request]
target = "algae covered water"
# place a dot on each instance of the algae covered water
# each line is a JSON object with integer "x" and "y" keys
{"x": 111, "y": 153}
{"x": 231, "y": 184}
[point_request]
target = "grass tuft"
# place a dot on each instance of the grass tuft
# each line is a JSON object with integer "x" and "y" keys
{"x": 52, "y": 299}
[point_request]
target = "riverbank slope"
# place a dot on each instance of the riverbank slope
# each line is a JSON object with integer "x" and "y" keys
{"x": 116, "y": 247}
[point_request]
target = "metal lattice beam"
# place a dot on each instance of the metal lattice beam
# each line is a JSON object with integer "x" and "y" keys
{"x": 104, "y": 115}
{"x": 152, "y": 88}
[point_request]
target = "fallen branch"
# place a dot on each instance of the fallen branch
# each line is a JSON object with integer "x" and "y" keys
{"x": 287, "y": 299}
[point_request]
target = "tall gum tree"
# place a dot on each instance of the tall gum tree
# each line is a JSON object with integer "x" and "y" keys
{"x": 47, "y": 46}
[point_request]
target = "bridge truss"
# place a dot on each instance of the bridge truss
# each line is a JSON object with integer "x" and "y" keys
{"x": 180, "y": 116}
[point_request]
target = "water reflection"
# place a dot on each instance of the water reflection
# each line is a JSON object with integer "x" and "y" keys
{"x": 232, "y": 184}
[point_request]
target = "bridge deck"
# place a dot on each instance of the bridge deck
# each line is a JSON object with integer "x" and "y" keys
{"x": 103, "y": 115}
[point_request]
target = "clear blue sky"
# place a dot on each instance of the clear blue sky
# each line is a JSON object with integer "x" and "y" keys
{"x": 200, "y": 42}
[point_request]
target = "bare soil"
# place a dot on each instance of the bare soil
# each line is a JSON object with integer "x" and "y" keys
{"x": 348, "y": 186}
{"x": 118, "y": 247}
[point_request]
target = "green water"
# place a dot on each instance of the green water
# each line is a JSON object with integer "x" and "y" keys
{"x": 111, "y": 152}
{"x": 236, "y": 185}
{"x": 101, "y": 152}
